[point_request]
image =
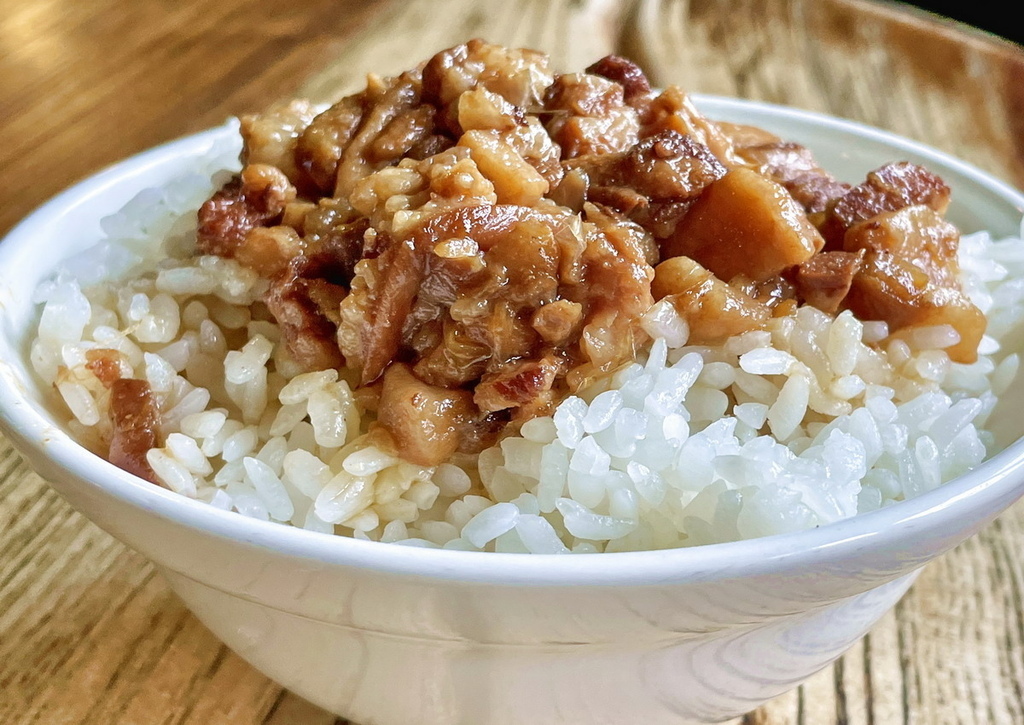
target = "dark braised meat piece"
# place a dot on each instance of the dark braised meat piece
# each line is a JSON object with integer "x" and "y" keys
{"x": 318, "y": 150}
{"x": 666, "y": 167}
{"x": 255, "y": 198}
{"x": 135, "y": 416}
{"x": 406, "y": 264}
{"x": 390, "y": 128}
{"x": 824, "y": 280}
{"x": 305, "y": 304}
{"x": 790, "y": 164}
{"x": 890, "y": 188}
{"x": 653, "y": 183}
{"x": 624, "y": 72}
{"x": 334, "y": 241}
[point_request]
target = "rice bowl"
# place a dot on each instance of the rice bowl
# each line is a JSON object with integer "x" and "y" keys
{"x": 712, "y": 631}
{"x": 806, "y": 419}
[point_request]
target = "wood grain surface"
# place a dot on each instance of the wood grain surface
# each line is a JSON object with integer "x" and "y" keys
{"x": 90, "y": 635}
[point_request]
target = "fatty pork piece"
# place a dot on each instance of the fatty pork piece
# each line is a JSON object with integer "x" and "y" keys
{"x": 635, "y": 86}
{"x": 429, "y": 423}
{"x": 788, "y": 163}
{"x": 305, "y": 303}
{"x": 672, "y": 110}
{"x": 271, "y": 137}
{"x": 889, "y": 188}
{"x": 744, "y": 224}
{"x": 713, "y": 309}
{"x": 909, "y": 277}
{"x": 665, "y": 168}
{"x": 256, "y": 198}
{"x": 589, "y": 115}
{"x": 442, "y": 260}
{"x": 517, "y": 75}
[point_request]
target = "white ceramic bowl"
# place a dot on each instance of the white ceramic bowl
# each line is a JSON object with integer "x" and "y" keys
{"x": 393, "y": 635}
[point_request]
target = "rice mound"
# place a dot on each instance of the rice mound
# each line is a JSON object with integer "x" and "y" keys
{"x": 808, "y": 421}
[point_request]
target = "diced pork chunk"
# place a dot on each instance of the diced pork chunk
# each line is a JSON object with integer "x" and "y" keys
{"x": 713, "y": 309}
{"x": 517, "y": 384}
{"x": 913, "y": 275}
{"x": 824, "y": 280}
{"x": 558, "y": 322}
{"x": 515, "y": 181}
{"x": 482, "y": 110}
{"x": 516, "y": 74}
{"x": 889, "y": 188}
{"x": 892, "y": 289}
{"x": 319, "y": 149}
{"x": 917, "y": 234}
{"x": 665, "y": 167}
{"x": 672, "y": 110}
{"x": 255, "y": 198}
{"x": 305, "y": 306}
{"x": 793, "y": 166}
{"x": 270, "y": 137}
{"x": 267, "y": 250}
{"x": 744, "y": 224}
{"x": 624, "y": 72}
{"x": 426, "y": 422}
{"x": 589, "y": 115}
{"x": 389, "y": 128}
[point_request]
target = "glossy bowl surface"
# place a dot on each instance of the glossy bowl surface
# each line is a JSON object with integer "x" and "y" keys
{"x": 389, "y": 634}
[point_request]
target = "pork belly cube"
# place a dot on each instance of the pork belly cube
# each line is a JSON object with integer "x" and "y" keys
{"x": 425, "y": 421}
{"x": 745, "y": 223}
{"x": 895, "y": 290}
{"x": 515, "y": 181}
{"x": 917, "y": 234}
{"x": 889, "y": 188}
{"x": 713, "y": 309}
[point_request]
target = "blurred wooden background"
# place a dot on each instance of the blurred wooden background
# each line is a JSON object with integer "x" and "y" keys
{"x": 89, "y": 635}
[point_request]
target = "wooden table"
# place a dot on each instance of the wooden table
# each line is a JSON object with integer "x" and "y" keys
{"x": 88, "y": 634}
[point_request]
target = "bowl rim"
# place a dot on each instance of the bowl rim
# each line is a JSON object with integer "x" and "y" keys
{"x": 995, "y": 482}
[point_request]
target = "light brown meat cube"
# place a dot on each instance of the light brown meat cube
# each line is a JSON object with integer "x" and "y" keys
{"x": 917, "y": 234}
{"x": 479, "y": 109}
{"x": 745, "y": 223}
{"x": 425, "y": 421}
{"x": 713, "y": 309}
{"x": 270, "y": 137}
{"x": 825, "y": 279}
{"x": 515, "y": 181}
{"x": 269, "y": 249}
{"x": 895, "y": 290}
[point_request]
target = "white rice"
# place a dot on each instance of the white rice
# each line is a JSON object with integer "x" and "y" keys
{"x": 798, "y": 425}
